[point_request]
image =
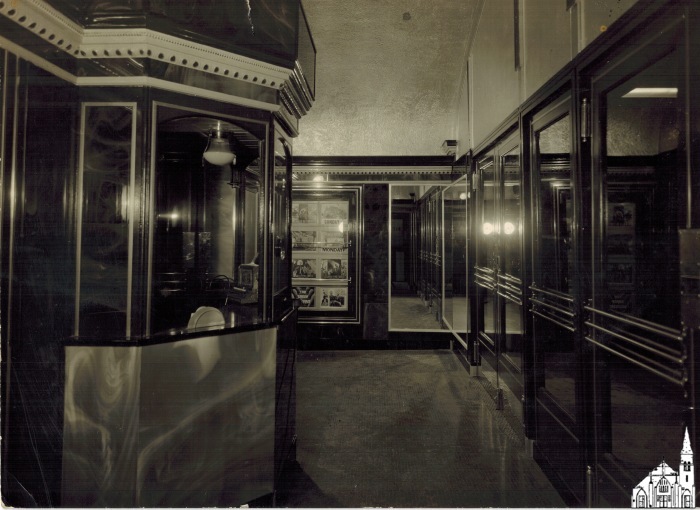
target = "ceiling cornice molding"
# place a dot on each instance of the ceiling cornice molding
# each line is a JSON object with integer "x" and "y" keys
{"x": 59, "y": 31}
{"x": 372, "y": 170}
{"x": 46, "y": 22}
{"x": 375, "y": 161}
{"x": 146, "y": 43}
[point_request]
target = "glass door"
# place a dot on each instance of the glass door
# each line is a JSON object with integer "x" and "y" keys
{"x": 510, "y": 275}
{"x": 486, "y": 267}
{"x": 325, "y": 265}
{"x": 553, "y": 303}
{"x": 498, "y": 269}
{"x": 640, "y": 192}
{"x": 414, "y": 258}
{"x": 455, "y": 303}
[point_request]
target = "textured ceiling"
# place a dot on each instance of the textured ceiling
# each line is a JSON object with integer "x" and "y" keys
{"x": 388, "y": 75}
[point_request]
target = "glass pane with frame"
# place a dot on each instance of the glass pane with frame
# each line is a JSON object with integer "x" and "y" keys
{"x": 643, "y": 189}
{"x": 511, "y": 235}
{"x": 554, "y": 261}
{"x": 455, "y": 256}
{"x": 487, "y": 251}
{"x": 206, "y": 232}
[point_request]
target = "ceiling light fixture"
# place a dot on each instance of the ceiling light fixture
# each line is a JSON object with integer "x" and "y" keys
{"x": 652, "y": 92}
{"x": 218, "y": 151}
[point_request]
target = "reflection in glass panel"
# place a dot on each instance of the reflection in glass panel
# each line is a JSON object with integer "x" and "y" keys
{"x": 281, "y": 258}
{"x": 447, "y": 266}
{"x": 415, "y": 259}
{"x": 556, "y": 207}
{"x": 554, "y": 260}
{"x": 487, "y": 251}
{"x": 511, "y": 234}
{"x": 640, "y": 262}
{"x": 455, "y": 257}
{"x": 205, "y": 239}
{"x": 104, "y": 255}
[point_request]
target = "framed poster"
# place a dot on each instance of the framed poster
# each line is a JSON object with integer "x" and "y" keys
{"x": 304, "y": 213}
{"x": 325, "y": 256}
{"x": 303, "y": 239}
{"x": 306, "y": 295}
{"x": 620, "y": 253}
{"x": 303, "y": 267}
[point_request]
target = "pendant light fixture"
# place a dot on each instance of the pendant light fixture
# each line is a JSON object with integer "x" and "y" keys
{"x": 218, "y": 151}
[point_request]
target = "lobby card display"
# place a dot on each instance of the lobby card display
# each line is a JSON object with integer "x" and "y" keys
{"x": 620, "y": 256}
{"x": 324, "y": 253}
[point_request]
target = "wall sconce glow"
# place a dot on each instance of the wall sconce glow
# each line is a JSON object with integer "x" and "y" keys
{"x": 463, "y": 196}
{"x": 508, "y": 228}
{"x": 652, "y": 92}
{"x": 318, "y": 178}
{"x": 169, "y": 216}
{"x": 124, "y": 206}
{"x": 341, "y": 227}
{"x": 218, "y": 151}
{"x": 487, "y": 228}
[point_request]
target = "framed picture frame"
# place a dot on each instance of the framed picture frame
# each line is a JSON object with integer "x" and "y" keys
{"x": 248, "y": 276}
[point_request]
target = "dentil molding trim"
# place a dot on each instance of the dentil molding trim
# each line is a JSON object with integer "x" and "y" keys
{"x": 58, "y": 30}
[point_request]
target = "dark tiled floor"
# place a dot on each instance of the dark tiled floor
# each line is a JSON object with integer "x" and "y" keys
{"x": 405, "y": 429}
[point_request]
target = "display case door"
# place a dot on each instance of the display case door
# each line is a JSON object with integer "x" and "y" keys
{"x": 553, "y": 299}
{"x": 640, "y": 190}
{"x": 325, "y": 254}
{"x": 498, "y": 271}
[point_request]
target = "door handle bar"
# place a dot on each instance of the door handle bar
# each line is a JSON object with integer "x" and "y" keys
{"x": 559, "y": 322}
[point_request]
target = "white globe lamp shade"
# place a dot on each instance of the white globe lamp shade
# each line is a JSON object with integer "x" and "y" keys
{"x": 218, "y": 151}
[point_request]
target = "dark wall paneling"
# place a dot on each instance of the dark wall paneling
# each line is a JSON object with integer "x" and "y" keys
{"x": 40, "y": 287}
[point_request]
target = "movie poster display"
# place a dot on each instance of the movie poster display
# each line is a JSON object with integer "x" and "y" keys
{"x": 621, "y": 257}
{"x": 324, "y": 254}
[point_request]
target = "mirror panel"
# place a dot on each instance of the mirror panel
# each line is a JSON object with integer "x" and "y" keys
{"x": 455, "y": 214}
{"x": 415, "y": 293}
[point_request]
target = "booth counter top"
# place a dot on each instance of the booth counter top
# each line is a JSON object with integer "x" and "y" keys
{"x": 234, "y": 318}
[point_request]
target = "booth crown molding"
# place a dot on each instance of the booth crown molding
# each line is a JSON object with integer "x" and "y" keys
{"x": 104, "y": 44}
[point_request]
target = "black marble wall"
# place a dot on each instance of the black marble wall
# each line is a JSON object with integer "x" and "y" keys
{"x": 375, "y": 262}
{"x": 38, "y": 277}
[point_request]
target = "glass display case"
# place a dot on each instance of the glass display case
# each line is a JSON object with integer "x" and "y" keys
{"x": 325, "y": 262}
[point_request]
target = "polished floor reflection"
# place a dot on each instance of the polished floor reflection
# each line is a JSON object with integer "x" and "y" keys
{"x": 405, "y": 429}
{"x": 411, "y": 313}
